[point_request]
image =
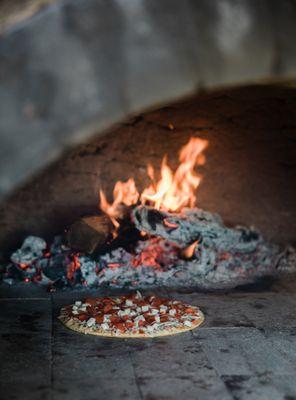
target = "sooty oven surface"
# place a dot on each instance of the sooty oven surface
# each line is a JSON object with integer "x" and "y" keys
{"x": 246, "y": 349}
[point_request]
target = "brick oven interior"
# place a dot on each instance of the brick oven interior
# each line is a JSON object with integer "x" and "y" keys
{"x": 246, "y": 348}
{"x": 248, "y": 176}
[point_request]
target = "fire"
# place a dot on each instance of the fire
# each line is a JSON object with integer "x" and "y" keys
{"x": 124, "y": 193}
{"x": 175, "y": 191}
{"x": 189, "y": 251}
{"x": 154, "y": 254}
{"x": 172, "y": 192}
{"x": 150, "y": 255}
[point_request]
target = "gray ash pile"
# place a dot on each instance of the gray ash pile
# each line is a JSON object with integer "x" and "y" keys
{"x": 156, "y": 238}
{"x": 189, "y": 249}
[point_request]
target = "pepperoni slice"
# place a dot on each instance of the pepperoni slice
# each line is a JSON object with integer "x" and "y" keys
{"x": 150, "y": 319}
{"x": 108, "y": 307}
{"x": 129, "y": 324}
{"x": 125, "y": 317}
{"x": 156, "y": 302}
{"x": 164, "y": 318}
{"x": 120, "y": 326}
{"x": 82, "y": 317}
{"x": 115, "y": 320}
{"x": 190, "y": 310}
{"x": 91, "y": 301}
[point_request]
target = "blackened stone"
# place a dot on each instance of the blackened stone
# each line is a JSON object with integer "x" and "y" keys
{"x": 54, "y": 273}
{"x": 15, "y": 272}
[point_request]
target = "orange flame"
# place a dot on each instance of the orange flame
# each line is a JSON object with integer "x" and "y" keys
{"x": 172, "y": 192}
{"x": 175, "y": 191}
{"x": 123, "y": 193}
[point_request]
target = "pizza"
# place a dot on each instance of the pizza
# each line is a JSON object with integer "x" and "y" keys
{"x": 132, "y": 316}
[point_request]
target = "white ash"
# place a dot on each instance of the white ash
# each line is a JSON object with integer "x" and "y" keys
{"x": 119, "y": 256}
{"x": 206, "y": 270}
{"x": 31, "y": 249}
{"x": 247, "y": 255}
{"x": 88, "y": 270}
{"x": 195, "y": 224}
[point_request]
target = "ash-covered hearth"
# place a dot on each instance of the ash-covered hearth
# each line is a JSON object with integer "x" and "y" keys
{"x": 154, "y": 238}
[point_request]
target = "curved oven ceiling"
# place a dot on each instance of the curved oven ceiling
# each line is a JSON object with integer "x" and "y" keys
{"x": 76, "y": 67}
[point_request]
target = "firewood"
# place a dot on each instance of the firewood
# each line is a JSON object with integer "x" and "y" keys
{"x": 88, "y": 234}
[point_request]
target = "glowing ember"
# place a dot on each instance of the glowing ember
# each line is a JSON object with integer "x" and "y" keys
{"x": 169, "y": 224}
{"x": 154, "y": 253}
{"x": 189, "y": 251}
{"x": 113, "y": 265}
{"x": 73, "y": 266}
{"x": 172, "y": 192}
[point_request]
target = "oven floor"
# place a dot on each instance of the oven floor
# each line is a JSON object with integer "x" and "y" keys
{"x": 246, "y": 349}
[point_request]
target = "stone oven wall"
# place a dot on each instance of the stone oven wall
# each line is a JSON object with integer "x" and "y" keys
{"x": 249, "y": 176}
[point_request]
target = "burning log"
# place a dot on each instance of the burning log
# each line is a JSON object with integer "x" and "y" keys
{"x": 89, "y": 233}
